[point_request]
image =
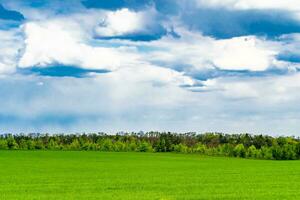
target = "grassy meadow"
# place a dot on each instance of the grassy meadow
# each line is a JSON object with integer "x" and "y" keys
{"x": 111, "y": 175}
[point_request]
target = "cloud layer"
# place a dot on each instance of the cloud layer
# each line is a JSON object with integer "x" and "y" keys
{"x": 187, "y": 65}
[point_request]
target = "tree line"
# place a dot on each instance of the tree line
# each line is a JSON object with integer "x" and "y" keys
{"x": 216, "y": 144}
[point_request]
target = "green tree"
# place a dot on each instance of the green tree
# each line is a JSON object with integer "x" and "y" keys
{"x": 53, "y": 145}
{"x": 39, "y": 144}
{"x": 144, "y": 147}
{"x": 3, "y": 144}
{"x": 161, "y": 145}
{"x": 240, "y": 151}
{"x": 277, "y": 153}
{"x": 226, "y": 150}
{"x": 298, "y": 149}
{"x": 11, "y": 143}
{"x": 200, "y": 148}
{"x": 266, "y": 153}
{"x": 132, "y": 146}
{"x": 252, "y": 152}
{"x": 119, "y": 146}
{"x": 75, "y": 145}
{"x": 23, "y": 144}
{"x": 289, "y": 152}
{"x": 180, "y": 148}
{"x": 106, "y": 145}
{"x": 30, "y": 144}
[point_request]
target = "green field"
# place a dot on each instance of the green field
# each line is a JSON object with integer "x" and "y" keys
{"x": 97, "y": 175}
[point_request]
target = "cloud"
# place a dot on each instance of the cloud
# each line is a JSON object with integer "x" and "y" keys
{"x": 150, "y": 65}
{"x": 10, "y": 46}
{"x": 137, "y": 103}
{"x": 291, "y": 5}
{"x": 139, "y": 92}
{"x": 269, "y": 94}
{"x": 130, "y": 24}
{"x": 190, "y": 52}
{"x": 43, "y": 9}
{"x": 244, "y": 53}
{"x": 232, "y": 18}
{"x": 227, "y": 23}
{"x": 290, "y": 50}
{"x": 121, "y": 22}
{"x": 56, "y": 42}
{"x": 195, "y": 52}
{"x": 79, "y": 34}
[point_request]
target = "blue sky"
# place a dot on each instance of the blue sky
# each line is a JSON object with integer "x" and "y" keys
{"x": 168, "y": 65}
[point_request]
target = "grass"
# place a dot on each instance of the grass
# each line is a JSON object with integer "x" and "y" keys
{"x": 98, "y": 175}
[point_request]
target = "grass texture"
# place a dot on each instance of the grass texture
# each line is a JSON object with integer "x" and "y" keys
{"x": 136, "y": 176}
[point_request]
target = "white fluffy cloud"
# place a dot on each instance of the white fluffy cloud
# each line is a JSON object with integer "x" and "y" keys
{"x": 69, "y": 40}
{"x": 125, "y": 21}
{"x": 248, "y": 53}
{"x": 55, "y": 42}
{"x": 292, "y": 5}
{"x": 193, "y": 49}
{"x": 273, "y": 92}
{"x": 10, "y": 47}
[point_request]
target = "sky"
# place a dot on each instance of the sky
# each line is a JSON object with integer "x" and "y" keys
{"x": 139, "y": 65}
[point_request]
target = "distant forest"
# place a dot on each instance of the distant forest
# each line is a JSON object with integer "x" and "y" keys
{"x": 214, "y": 144}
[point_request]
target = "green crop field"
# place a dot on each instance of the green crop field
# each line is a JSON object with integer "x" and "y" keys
{"x": 97, "y": 175}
